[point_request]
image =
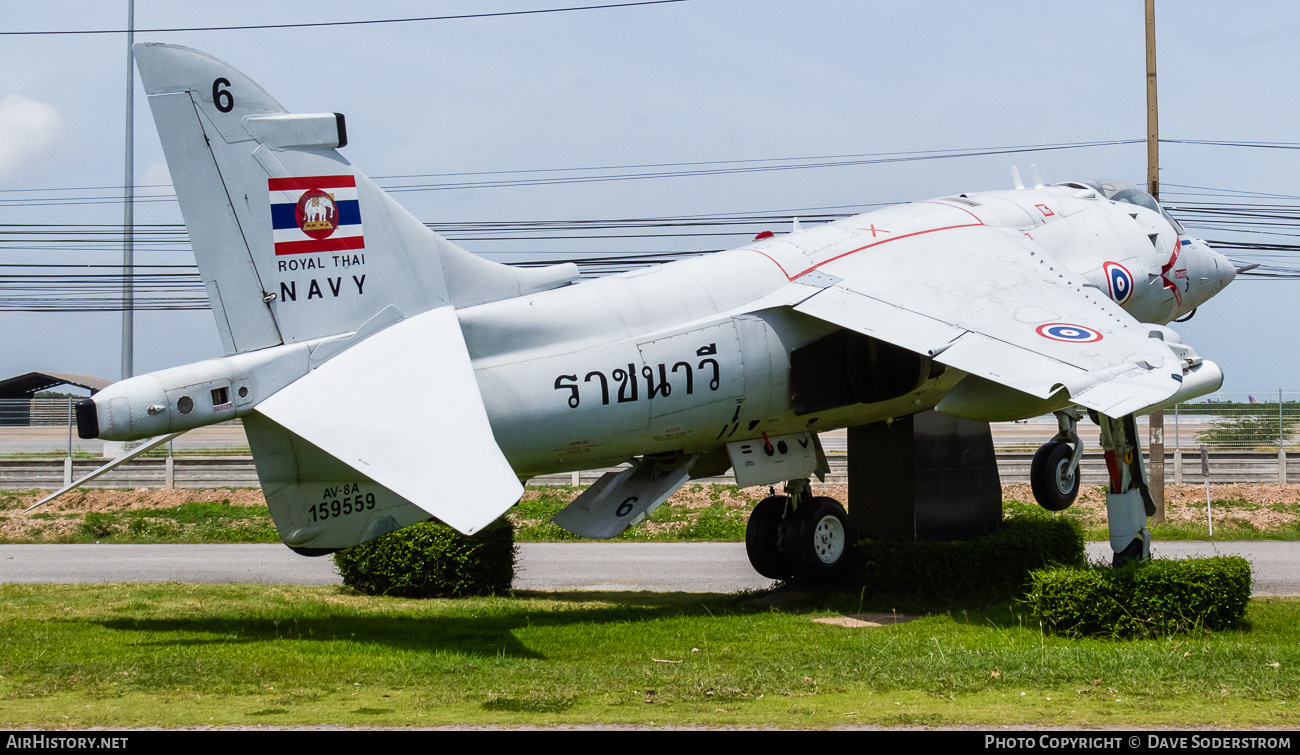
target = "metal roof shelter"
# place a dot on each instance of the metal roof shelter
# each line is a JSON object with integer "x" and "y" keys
{"x": 19, "y": 407}
{"x": 27, "y": 386}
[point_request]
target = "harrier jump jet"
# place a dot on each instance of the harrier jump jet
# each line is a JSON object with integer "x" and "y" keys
{"x": 385, "y": 375}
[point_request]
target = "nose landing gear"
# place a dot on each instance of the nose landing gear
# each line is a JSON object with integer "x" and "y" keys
{"x": 797, "y": 535}
{"x": 1054, "y": 473}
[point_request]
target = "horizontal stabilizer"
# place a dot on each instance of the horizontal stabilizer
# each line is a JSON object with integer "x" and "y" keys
{"x": 403, "y": 409}
{"x": 139, "y": 450}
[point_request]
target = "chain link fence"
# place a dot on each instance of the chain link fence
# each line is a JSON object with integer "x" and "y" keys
{"x": 1248, "y": 421}
{"x": 1246, "y": 437}
{"x": 1258, "y": 421}
{"x": 46, "y": 428}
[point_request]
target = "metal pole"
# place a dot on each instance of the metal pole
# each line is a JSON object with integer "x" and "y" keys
{"x": 1178, "y": 450}
{"x": 128, "y": 212}
{"x": 169, "y": 468}
{"x": 67, "y": 461}
{"x": 1205, "y": 471}
{"x": 1281, "y": 442}
{"x": 1153, "y": 139}
{"x": 1156, "y": 421}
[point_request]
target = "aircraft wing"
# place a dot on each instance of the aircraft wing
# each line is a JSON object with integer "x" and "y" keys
{"x": 991, "y": 303}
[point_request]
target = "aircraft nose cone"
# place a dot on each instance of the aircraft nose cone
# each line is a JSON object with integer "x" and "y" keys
{"x": 1227, "y": 272}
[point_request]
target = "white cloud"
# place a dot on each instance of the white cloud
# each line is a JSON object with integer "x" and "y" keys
{"x": 29, "y": 129}
{"x": 154, "y": 180}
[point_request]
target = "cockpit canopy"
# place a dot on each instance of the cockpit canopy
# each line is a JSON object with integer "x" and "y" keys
{"x": 1123, "y": 191}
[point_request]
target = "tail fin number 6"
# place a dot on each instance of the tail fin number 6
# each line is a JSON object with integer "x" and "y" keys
{"x": 222, "y": 98}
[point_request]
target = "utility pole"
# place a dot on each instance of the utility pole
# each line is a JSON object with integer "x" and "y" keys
{"x": 128, "y": 213}
{"x": 1156, "y": 420}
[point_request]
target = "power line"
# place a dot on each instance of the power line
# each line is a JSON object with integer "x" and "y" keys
{"x": 496, "y": 179}
{"x": 599, "y": 174}
{"x": 1232, "y": 143}
{"x": 304, "y": 25}
{"x": 70, "y": 287}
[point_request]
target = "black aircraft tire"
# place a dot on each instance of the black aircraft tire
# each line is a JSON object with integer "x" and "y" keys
{"x": 1133, "y": 552}
{"x": 763, "y": 538}
{"x": 1045, "y": 476}
{"x": 821, "y": 542}
{"x": 314, "y": 552}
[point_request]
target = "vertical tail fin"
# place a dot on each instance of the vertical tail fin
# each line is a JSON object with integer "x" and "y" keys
{"x": 292, "y": 242}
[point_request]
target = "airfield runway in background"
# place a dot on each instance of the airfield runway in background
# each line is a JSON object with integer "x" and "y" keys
{"x": 660, "y": 567}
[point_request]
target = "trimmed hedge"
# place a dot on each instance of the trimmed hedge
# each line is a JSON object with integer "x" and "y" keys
{"x": 1143, "y": 600}
{"x": 431, "y": 560}
{"x": 991, "y": 567}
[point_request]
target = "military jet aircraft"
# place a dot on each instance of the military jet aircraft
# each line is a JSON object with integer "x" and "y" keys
{"x": 385, "y": 375}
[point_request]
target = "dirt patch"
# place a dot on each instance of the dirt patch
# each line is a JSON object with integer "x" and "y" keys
{"x": 64, "y": 515}
{"x": 1261, "y": 506}
{"x": 87, "y": 500}
{"x": 867, "y": 620}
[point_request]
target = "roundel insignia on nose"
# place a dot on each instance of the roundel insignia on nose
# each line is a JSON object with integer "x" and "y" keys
{"x": 1120, "y": 281}
{"x": 1064, "y": 331}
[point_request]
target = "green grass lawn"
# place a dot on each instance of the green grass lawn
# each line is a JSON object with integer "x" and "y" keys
{"x": 122, "y": 655}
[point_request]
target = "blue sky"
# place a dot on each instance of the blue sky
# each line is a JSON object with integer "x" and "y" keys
{"x": 703, "y": 80}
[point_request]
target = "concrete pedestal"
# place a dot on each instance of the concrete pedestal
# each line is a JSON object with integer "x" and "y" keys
{"x": 927, "y": 476}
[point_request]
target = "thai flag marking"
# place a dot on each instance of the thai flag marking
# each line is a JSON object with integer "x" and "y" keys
{"x": 315, "y": 214}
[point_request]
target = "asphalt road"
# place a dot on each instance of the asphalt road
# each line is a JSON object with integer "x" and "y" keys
{"x": 671, "y": 567}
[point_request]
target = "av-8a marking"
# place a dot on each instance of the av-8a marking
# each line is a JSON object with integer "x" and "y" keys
{"x": 442, "y": 381}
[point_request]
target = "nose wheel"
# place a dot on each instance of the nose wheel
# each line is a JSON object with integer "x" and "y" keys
{"x": 804, "y": 540}
{"x": 1054, "y": 481}
{"x": 1054, "y": 473}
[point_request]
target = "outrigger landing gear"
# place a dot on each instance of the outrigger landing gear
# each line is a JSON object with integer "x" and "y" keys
{"x": 797, "y": 534}
{"x": 1054, "y": 473}
{"x": 1128, "y": 502}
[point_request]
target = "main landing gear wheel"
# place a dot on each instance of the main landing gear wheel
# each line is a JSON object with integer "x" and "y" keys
{"x": 1055, "y": 486}
{"x": 820, "y": 547}
{"x": 810, "y": 542}
{"x": 764, "y": 535}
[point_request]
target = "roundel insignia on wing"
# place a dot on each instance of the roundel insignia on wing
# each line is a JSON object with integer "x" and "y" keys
{"x": 1064, "y": 331}
{"x": 1120, "y": 281}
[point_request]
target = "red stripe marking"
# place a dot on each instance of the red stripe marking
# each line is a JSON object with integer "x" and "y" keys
{"x": 977, "y": 222}
{"x": 773, "y": 259}
{"x": 317, "y": 182}
{"x": 884, "y": 241}
{"x": 324, "y": 245}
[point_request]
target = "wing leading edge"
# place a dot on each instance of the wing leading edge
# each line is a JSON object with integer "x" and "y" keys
{"x": 991, "y": 303}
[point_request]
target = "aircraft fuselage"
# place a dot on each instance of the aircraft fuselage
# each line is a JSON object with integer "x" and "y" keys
{"x": 679, "y": 358}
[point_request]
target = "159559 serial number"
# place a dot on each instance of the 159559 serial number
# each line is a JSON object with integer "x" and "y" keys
{"x": 348, "y": 504}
